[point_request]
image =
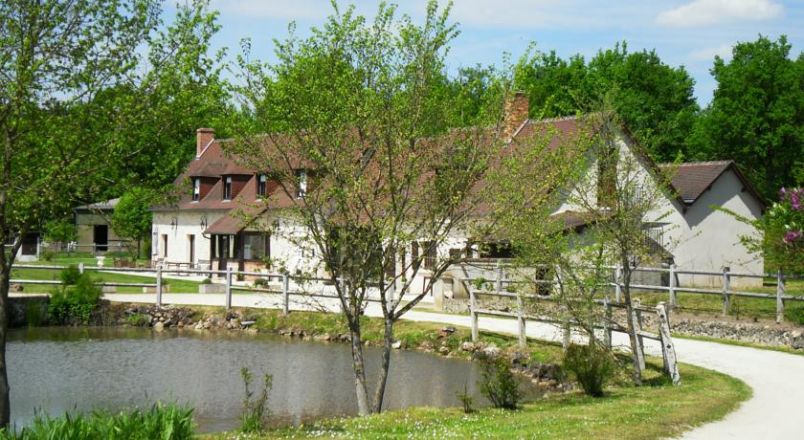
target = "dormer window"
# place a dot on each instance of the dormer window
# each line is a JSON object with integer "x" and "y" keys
{"x": 301, "y": 179}
{"x": 262, "y": 184}
{"x": 227, "y": 188}
{"x": 196, "y": 189}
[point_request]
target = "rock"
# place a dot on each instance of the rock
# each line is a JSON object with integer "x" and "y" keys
{"x": 247, "y": 324}
{"x": 443, "y": 350}
{"x": 468, "y": 346}
{"x": 491, "y": 351}
{"x": 322, "y": 338}
{"x": 396, "y": 345}
{"x": 426, "y": 346}
{"x": 235, "y": 323}
{"x": 199, "y": 326}
{"x": 446, "y": 331}
{"x": 159, "y": 326}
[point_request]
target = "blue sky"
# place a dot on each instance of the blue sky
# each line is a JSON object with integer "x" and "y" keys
{"x": 683, "y": 32}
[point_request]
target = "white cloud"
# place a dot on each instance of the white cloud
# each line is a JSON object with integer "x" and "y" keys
{"x": 708, "y": 53}
{"x": 710, "y": 12}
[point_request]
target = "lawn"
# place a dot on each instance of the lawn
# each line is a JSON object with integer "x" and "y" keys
{"x": 176, "y": 286}
{"x": 742, "y": 308}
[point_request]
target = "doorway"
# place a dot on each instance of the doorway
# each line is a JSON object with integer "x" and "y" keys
{"x": 100, "y": 237}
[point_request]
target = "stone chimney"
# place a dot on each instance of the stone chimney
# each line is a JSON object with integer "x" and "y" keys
{"x": 203, "y": 137}
{"x": 516, "y": 112}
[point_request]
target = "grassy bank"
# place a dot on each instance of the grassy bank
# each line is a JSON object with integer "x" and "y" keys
{"x": 177, "y": 286}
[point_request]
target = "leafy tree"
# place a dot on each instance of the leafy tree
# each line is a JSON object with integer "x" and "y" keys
{"x": 756, "y": 116}
{"x": 58, "y": 62}
{"x": 359, "y": 108}
{"x": 132, "y": 217}
{"x": 654, "y": 100}
{"x": 60, "y": 230}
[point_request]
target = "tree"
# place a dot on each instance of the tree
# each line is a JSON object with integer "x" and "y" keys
{"x": 132, "y": 216}
{"x": 654, "y": 100}
{"x": 756, "y": 116}
{"x": 362, "y": 126}
{"x": 58, "y": 62}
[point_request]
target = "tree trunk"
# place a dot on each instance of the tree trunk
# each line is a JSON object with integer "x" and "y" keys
{"x": 632, "y": 336}
{"x": 379, "y": 393}
{"x": 360, "y": 373}
{"x": 5, "y": 405}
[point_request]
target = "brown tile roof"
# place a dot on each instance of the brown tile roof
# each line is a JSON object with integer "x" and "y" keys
{"x": 692, "y": 179}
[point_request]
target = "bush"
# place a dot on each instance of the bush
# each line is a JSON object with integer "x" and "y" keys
{"x": 466, "y": 400}
{"x": 206, "y": 281}
{"x": 592, "y": 366}
{"x": 70, "y": 275}
{"x": 255, "y": 410}
{"x": 499, "y": 384}
{"x": 74, "y": 302}
{"x": 165, "y": 422}
{"x": 138, "y": 320}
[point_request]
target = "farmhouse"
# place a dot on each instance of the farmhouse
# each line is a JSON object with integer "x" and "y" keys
{"x": 224, "y": 210}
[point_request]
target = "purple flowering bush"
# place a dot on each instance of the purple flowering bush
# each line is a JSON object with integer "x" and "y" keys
{"x": 783, "y": 228}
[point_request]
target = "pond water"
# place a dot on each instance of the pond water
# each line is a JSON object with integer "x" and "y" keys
{"x": 55, "y": 370}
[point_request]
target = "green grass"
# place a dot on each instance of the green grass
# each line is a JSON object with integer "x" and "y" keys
{"x": 176, "y": 286}
{"x": 742, "y": 308}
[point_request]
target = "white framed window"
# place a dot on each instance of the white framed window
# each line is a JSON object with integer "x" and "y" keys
{"x": 262, "y": 184}
{"x": 196, "y": 189}
{"x": 227, "y": 188}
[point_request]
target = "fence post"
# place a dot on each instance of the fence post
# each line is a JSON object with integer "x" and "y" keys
{"x": 726, "y": 285}
{"x": 668, "y": 348}
{"x": 81, "y": 267}
{"x": 498, "y": 283}
{"x": 607, "y": 323}
{"x": 618, "y": 274}
{"x": 520, "y": 312}
{"x": 779, "y": 295}
{"x": 159, "y": 286}
{"x": 285, "y": 294}
{"x": 473, "y": 314}
{"x": 640, "y": 352}
{"x": 228, "y": 287}
{"x": 673, "y": 285}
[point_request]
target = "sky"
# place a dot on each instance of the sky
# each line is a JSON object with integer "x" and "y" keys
{"x": 683, "y": 32}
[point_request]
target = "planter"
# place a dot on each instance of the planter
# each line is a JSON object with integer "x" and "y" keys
{"x": 211, "y": 288}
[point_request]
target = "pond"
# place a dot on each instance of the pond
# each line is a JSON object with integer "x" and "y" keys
{"x": 55, "y": 370}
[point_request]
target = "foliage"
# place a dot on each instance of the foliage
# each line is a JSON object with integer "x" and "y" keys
{"x": 654, "y": 99}
{"x": 756, "y": 114}
{"x": 499, "y": 384}
{"x": 160, "y": 422}
{"x": 255, "y": 409}
{"x": 60, "y": 231}
{"x": 466, "y": 400}
{"x": 74, "y": 302}
{"x": 138, "y": 319}
{"x": 592, "y": 366}
{"x": 131, "y": 218}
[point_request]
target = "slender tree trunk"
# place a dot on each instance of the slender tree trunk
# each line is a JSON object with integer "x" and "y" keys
{"x": 632, "y": 336}
{"x": 359, "y": 368}
{"x": 379, "y": 393}
{"x": 5, "y": 404}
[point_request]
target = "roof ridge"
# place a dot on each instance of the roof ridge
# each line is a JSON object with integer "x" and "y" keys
{"x": 553, "y": 119}
{"x": 703, "y": 162}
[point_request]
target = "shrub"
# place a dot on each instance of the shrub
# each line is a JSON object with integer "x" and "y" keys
{"x": 499, "y": 384}
{"x": 70, "y": 275}
{"x": 466, "y": 400}
{"x": 74, "y": 302}
{"x": 592, "y": 366}
{"x": 165, "y": 422}
{"x": 138, "y": 319}
{"x": 255, "y": 409}
{"x": 260, "y": 282}
{"x": 206, "y": 281}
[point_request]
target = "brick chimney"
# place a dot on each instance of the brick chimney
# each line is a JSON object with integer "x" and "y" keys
{"x": 203, "y": 137}
{"x": 516, "y": 112}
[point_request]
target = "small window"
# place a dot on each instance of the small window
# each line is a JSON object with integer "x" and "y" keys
{"x": 164, "y": 245}
{"x": 227, "y": 188}
{"x": 196, "y": 189}
{"x": 430, "y": 255}
{"x": 256, "y": 246}
{"x": 301, "y": 178}
{"x": 262, "y": 184}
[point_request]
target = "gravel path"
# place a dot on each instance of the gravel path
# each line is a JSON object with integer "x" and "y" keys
{"x": 776, "y": 378}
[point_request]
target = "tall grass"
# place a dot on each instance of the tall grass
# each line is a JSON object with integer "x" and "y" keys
{"x": 160, "y": 422}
